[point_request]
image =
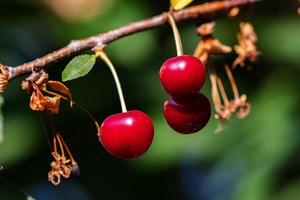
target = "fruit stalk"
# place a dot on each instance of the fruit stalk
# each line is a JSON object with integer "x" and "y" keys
{"x": 176, "y": 34}
{"x": 104, "y": 57}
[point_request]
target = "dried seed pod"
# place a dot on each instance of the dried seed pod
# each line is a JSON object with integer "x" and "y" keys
{"x": 64, "y": 164}
{"x": 39, "y": 78}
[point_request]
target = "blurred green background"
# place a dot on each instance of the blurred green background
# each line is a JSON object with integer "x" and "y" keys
{"x": 257, "y": 158}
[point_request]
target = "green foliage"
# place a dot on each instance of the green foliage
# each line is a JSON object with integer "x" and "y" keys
{"x": 279, "y": 40}
{"x": 78, "y": 67}
{"x": 11, "y": 192}
{"x": 1, "y": 120}
{"x": 19, "y": 142}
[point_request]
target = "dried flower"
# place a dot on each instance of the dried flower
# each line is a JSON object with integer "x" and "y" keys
{"x": 4, "y": 75}
{"x": 39, "y": 78}
{"x": 209, "y": 45}
{"x": 242, "y": 107}
{"x": 221, "y": 107}
{"x": 36, "y": 85}
{"x": 39, "y": 102}
{"x": 239, "y": 105}
{"x": 246, "y": 48}
{"x": 224, "y": 107}
{"x": 61, "y": 166}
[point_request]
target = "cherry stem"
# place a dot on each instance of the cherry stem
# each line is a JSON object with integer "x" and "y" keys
{"x": 88, "y": 114}
{"x": 232, "y": 82}
{"x": 77, "y": 105}
{"x": 176, "y": 34}
{"x": 104, "y": 57}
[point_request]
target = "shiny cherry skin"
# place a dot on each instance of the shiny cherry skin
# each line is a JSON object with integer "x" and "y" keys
{"x": 182, "y": 75}
{"x": 187, "y": 114}
{"x": 127, "y": 135}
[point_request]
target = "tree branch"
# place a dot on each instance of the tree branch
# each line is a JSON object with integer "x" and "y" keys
{"x": 76, "y": 46}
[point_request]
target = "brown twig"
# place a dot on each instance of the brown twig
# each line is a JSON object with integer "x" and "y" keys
{"x": 76, "y": 46}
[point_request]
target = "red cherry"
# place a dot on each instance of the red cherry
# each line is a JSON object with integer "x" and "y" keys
{"x": 127, "y": 135}
{"x": 187, "y": 114}
{"x": 182, "y": 75}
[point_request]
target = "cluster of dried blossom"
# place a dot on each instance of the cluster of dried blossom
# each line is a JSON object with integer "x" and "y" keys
{"x": 246, "y": 51}
{"x": 41, "y": 98}
{"x": 44, "y": 99}
{"x": 61, "y": 166}
{"x": 246, "y": 48}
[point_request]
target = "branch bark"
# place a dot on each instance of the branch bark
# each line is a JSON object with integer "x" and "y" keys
{"x": 103, "y": 39}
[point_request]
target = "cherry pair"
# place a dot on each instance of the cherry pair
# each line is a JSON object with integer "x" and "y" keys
{"x": 182, "y": 77}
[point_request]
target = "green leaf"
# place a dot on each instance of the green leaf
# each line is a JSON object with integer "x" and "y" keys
{"x": 78, "y": 67}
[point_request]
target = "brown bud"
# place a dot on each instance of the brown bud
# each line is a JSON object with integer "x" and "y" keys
{"x": 206, "y": 29}
{"x": 39, "y": 78}
{"x": 234, "y": 12}
{"x": 4, "y": 75}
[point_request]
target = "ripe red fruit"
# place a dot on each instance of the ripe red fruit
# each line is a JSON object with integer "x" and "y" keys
{"x": 127, "y": 135}
{"x": 182, "y": 75}
{"x": 187, "y": 114}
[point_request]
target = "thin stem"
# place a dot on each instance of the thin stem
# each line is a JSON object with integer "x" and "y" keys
{"x": 104, "y": 57}
{"x": 54, "y": 145}
{"x": 77, "y": 105}
{"x": 176, "y": 34}
{"x": 60, "y": 146}
{"x": 45, "y": 131}
{"x": 214, "y": 91}
{"x": 52, "y": 124}
{"x": 88, "y": 114}
{"x": 60, "y": 138}
{"x": 222, "y": 91}
{"x": 213, "y": 80}
{"x": 232, "y": 82}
